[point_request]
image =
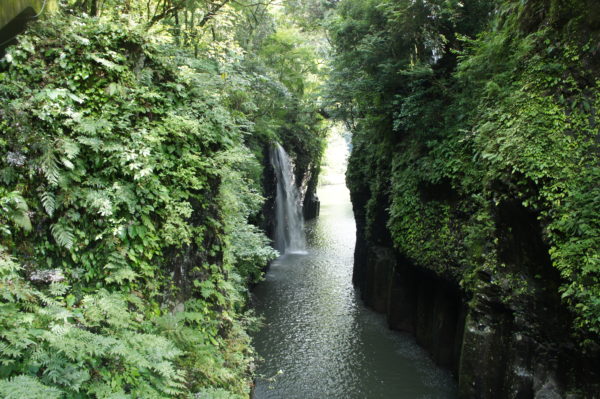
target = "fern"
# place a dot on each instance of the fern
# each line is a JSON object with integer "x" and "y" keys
{"x": 50, "y": 166}
{"x": 8, "y": 267}
{"x": 100, "y": 201}
{"x": 14, "y": 208}
{"x": 134, "y": 175}
{"x": 94, "y": 143}
{"x": 111, "y": 66}
{"x": 119, "y": 269}
{"x": 121, "y": 275}
{"x": 60, "y": 371}
{"x": 67, "y": 163}
{"x": 104, "y": 308}
{"x": 63, "y": 236}
{"x": 70, "y": 148}
{"x": 48, "y": 202}
{"x": 23, "y": 386}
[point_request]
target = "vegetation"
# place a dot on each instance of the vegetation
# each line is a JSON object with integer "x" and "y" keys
{"x": 475, "y": 122}
{"x": 131, "y": 193}
{"x": 132, "y": 168}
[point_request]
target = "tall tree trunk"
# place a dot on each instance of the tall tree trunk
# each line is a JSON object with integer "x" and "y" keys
{"x": 94, "y": 8}
{"x": 177, "y": 30}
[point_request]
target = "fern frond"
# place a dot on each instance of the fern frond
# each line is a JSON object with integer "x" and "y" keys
{"x": 21, "y": 219}
{"x": 111, "y": 66}
{"x": 104, "y": 307}
{"x": 100, "y": 200}
{"x": 50, "y": 166}
{"x": 121, "y": 275}
{"x": 23, "y": 386}
{"x": 92, "y": 142}
{"x": 60, "y": 371}
{"x": 14, "y": 207}
{"x": 63, "y": 236}
{"x": 48, "y": 202}
{"x": 70, "y": 148}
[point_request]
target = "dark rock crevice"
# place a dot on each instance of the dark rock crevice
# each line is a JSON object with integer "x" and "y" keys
{"x": 187, "y": 262}
{"x": 498, "y": 344}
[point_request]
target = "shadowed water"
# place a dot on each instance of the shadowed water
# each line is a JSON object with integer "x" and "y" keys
{"x": 318, "y": 333}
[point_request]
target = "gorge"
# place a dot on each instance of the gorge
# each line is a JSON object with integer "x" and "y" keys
{"x": 166, "y": 189}
{"x": 318, "y": 338}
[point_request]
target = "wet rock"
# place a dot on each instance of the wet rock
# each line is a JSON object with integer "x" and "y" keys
{"x": 47, "y": 276}
{"x": 380, "y": 268}
{"x": 312, "y": 206}
{"x": 507, "y": 337}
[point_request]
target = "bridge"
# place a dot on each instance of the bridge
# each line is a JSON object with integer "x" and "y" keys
{"x": 15, "y": 13}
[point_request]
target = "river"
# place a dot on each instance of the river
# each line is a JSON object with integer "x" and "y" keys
{"x": 319, "y": 341}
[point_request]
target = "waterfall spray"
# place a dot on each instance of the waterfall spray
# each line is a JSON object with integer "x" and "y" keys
{"x": 289, "y": 222}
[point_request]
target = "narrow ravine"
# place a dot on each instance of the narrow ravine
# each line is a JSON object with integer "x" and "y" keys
{"x": 161, "y": 232}
{"x": 319, "y": 340}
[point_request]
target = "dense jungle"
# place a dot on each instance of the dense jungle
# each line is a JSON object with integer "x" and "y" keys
{"x": 143, "y": 144}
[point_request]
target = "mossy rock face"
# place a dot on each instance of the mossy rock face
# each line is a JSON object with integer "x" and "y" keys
{"x": 481, "y": 170}
{"x": 11, "y": 9}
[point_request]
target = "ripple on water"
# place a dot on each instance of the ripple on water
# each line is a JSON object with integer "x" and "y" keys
{"x": 317, "y": 331}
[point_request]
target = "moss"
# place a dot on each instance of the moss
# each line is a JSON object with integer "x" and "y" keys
{"x": 514, "y": 122}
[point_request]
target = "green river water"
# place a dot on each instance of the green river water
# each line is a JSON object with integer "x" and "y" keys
{"x": 319, "y": 341}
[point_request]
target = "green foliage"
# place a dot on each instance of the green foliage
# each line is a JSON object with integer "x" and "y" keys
{"x": 241, "y": 199}
{"x": 107, "y": 344}
{"x": 27, "y": 387}
{"x": 458, "y": 113}
{"x": 127, "y": 191}
{"x": 277, "y": 90}
{"x": 130, "y": 176}
{"x": 13, "y": 209}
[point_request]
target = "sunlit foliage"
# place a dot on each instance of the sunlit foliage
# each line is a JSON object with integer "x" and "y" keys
{"x": 131, "y": 193}
{"x": 470, "y": 119}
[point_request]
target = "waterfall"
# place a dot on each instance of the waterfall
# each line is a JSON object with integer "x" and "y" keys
{"x": 289, "y": 222}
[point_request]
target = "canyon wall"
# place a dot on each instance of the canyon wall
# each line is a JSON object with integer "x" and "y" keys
{"x": 473, "y": 178}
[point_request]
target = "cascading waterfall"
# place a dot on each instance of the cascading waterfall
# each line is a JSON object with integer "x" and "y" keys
{"x": 289, "y": 222}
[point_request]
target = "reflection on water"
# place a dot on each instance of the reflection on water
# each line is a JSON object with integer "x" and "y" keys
{"x": 319, "y": 334}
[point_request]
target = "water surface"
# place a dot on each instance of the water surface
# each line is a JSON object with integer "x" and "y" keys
{"x": 319, "y": 341}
